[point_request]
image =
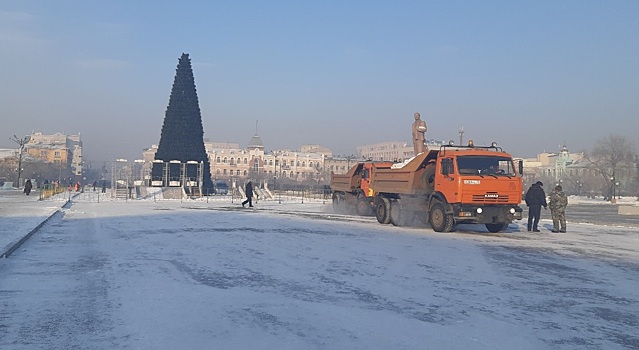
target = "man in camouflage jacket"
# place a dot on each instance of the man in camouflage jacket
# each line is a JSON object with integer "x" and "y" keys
{"x": 558, "y": 203}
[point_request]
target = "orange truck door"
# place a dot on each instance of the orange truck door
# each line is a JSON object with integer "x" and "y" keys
{"x": 447, "y": 183}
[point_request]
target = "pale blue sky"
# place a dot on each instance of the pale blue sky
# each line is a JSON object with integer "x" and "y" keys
{"x": 527, "y": 74}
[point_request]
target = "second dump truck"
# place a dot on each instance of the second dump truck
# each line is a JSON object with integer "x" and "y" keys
{"x": 449, "y": 186}
{"x": 352, "y": 191}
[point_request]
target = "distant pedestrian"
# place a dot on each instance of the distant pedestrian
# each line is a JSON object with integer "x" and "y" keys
{"x": 249, "y": 194}
{"x": 27, "y": 187}
{"x": 95, "y": 183}
{"x": 103, "y": 186}
{"x": 558, "y": 203}
{"x": 535, "y": 199}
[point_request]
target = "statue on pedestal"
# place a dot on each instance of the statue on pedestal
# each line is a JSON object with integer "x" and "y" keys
{"x": 419, "y": 129}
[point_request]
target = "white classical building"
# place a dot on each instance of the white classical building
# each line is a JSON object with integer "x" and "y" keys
{"x": 229, "y": 161}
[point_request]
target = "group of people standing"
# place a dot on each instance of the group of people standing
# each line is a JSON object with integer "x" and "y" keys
{"x": 536, "y": 198}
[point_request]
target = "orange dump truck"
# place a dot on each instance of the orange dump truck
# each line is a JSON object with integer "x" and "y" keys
{"x": 352, "y": 192}
{"x": 450, "y": 186}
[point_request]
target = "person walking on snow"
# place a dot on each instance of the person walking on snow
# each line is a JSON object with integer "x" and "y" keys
{"x": 249, "y": 194}
{"x": 27, "y": 187}
{"x": 535, "y": 199}
{"x": 558, "y": 203}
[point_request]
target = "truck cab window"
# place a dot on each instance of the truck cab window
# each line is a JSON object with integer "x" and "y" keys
{"x": 485, "y": 165}
{"x": 447, "y": 166}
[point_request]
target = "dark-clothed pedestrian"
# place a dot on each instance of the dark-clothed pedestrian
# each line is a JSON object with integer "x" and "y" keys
{"x": 249, "y": 194}
{"x": 103, "y": 186}
{"x": 535, "y": 199}
{"x": 558, "y": 202}
{"x": 27, "y": 187}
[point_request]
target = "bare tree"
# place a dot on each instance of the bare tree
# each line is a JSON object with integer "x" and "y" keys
{"x": 612, "y": 158}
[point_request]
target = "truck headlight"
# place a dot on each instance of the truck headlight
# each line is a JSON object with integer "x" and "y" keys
{"x": 479, "y": 210}
{"x": 512, "y": 210}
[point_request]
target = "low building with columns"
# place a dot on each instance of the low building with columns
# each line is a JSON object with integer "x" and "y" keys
{"x": 229, "y": 162}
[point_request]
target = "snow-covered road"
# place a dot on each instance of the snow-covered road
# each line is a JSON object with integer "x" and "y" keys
{"x": 171, "y": 275}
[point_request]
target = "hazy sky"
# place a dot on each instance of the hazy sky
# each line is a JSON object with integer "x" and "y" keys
{"x": 527, "y": 74}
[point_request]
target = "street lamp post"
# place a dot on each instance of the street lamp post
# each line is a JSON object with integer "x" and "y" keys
{"x": 21, "y": 143}
{"x": 579, "y": 185}
{"x": 276, "y": 175}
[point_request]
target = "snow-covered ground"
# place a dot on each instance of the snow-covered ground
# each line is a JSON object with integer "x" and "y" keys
{"x": 599, "y": 200}
{"x": 167, "y": 274}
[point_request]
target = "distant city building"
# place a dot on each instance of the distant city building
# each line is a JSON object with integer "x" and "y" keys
{"x": 58, "y": 149}
{"x": 393, "y": 151}
{"x": 550, "y": 166}
{"x": 578, "y": 175}
{"x": 8, "y": 153}
{"x": 228, "y": 161}
{"x": 253, "y": 162}
{"x": 317, "y": 149}
{"x": 44, "y": 157}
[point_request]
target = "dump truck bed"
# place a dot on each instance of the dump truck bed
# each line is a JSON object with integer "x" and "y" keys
{"x": 409, "y": 178}
{"x": 344, "y": 182}
{"x": 351, "y": 181}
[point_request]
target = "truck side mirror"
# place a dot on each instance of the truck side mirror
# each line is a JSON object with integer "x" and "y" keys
{"x": 521, "y": 168}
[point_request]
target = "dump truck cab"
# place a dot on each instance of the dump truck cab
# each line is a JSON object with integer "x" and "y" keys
{"x": 476, "y": 185}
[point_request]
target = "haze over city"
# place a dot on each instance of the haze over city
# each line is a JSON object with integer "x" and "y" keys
{"x": 530, "y": 75}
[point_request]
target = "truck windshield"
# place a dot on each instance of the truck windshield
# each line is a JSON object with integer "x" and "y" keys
{"x": 485, "y": 165}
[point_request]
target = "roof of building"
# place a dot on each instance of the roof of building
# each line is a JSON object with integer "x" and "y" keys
{"x": 256, "y": 142}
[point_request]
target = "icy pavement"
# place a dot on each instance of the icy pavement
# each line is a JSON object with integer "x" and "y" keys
{"x": 200, "y": 275}
{"x": 19, "y": 214}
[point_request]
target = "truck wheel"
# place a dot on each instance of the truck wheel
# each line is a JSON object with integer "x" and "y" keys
{"x": 363, "y": 206}
{"x": 427, "y": 180}
{"x": 395, "y": 213}
{"x": 399, "y": 216}
{"x": 494, "y": 228}
{"x": 439, "y": 220}
{"x": 382, "y": 211}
